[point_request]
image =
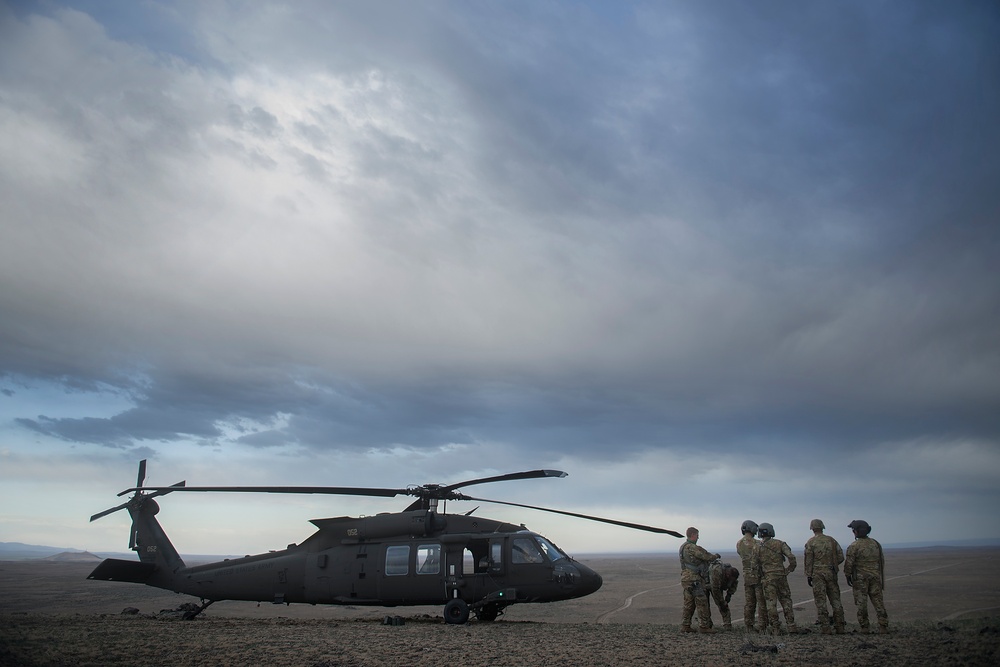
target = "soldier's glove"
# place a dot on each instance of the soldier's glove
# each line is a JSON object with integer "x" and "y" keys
{"x": 809, "y": 580}
{"x": 850, "y": 581}
{"x": 729, "y": 596}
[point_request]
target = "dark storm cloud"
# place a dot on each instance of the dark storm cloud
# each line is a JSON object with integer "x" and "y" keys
{"x": 743, "y": 227}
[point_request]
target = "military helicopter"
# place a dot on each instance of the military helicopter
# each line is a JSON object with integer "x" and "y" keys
{"x": 415, "y": 557}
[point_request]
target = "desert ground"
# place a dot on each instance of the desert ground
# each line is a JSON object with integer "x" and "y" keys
{"x": 943, "y": 603}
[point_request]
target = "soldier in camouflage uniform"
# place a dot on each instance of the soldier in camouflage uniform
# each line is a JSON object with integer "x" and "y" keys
{"x": 773, "y": 554}
{"x": 865, "y": 571}
{"x": 753, "y": 593}
{"x": 694, "y": 569}
{"x": 723, "y": 580}
{"x": 823, "y": 556}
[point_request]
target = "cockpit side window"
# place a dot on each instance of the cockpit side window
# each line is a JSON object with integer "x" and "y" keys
{"x": 525, "y": 550}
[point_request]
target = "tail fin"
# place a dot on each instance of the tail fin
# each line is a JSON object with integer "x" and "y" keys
{"x": 147, "y": 537}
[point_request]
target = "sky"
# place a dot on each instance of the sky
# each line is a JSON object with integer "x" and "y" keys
{"x": 717, "y": 261}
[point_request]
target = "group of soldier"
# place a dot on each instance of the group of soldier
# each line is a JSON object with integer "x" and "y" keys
{"x": 767, "y": 562}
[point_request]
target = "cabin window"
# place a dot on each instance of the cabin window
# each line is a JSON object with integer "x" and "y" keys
{"x": 397, "y": 561}
{"x": 551, "y": 550}
{"x": 496, "y": 556}
{"x": 429, "y": 559}
{"x": 476, "y": 557}
{"x": 525, "y": 550}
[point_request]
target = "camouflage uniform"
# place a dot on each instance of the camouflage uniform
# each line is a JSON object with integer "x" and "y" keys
{"x": 753, "y": 592}
{"x": 694, "y": 567}
{"x": 865, "y": 570}
{"x": 823, "y": 556}
{"x": 773, "y": 553}
{"x": 723, "y": 580}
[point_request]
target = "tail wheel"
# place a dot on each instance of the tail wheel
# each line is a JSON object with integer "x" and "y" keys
{"x": 456, "y": 612}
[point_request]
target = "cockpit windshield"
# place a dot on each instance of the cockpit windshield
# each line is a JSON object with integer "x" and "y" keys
{"x": 549, "y": 549}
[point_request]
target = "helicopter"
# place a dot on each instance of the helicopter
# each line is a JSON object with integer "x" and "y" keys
{"x": 419, "y": 556}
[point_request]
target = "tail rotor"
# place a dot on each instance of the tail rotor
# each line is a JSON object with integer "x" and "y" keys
{"x": 138, "y": 501}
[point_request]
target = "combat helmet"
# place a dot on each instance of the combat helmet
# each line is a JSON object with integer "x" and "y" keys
{"x": 860, "y": 527}
{"x": 748, "y": 526}
{"x": 816, "y": 524}
{"x": 765, "y": 530}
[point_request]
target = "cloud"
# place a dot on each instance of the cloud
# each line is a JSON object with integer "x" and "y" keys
{"x": 648, "y": 236}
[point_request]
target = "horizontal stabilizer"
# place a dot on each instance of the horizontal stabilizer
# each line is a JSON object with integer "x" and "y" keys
{"x": 115, "y": 569}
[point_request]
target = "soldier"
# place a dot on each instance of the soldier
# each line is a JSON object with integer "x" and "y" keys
{"x": 694, "y": 567}
{"x": 865, "y": 571}
{"x": 723, "y": 580}
{"x": 773, "y": 554}
{"x": 753, "y": 594}
{"x": 823, "y": 557}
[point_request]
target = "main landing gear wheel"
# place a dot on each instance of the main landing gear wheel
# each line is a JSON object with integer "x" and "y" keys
{"x": 456, "y": 612}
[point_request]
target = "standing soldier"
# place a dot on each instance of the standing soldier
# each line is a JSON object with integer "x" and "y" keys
{"x": 823, "y": 557}
{"x": 723, "y": 580}
{"x": 753, "y": 593}
{"x": 773, "y": 554}
{"x": 865, "y": 571}
{"x": 694, "y": 567}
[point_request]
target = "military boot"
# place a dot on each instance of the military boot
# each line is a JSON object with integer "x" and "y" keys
{"x": 707, "y": 630}
{"x": 840, "y": 629}
{"x": 825, "y": 629}
{"x": 687, "y": 628}
{"x": 883, "y": 629}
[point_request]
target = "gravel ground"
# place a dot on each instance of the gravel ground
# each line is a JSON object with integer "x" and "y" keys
{"x": 109, "y": 640}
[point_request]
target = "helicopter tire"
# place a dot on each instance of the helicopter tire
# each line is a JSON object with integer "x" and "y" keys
{"x": 488, "y": 613}
{"x": 456, "y": 612}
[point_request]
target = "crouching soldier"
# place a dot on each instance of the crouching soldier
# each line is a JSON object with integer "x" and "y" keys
{"x": 723, "y": 580}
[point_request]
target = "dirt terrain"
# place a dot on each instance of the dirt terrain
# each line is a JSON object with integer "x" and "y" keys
{"x": 943, "y": 603}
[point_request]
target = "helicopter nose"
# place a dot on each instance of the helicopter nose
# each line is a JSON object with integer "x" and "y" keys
{"x": 590, "y": 581}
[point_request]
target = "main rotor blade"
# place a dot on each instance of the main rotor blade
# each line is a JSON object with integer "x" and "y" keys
{"x": 626, "y": 524}
{"x": 331, "y": 490}
{"x": 530, "y": 474}
{"x": 107, "y": 512}
{"x": 141, "y": 477}
{"x": 172, "y": 487}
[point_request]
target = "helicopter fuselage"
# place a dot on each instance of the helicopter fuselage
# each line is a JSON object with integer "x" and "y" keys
{"x": 406, "y": 558}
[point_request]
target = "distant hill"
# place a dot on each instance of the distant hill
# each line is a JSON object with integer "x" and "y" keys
{"x": 21, "y": 551}
{"x": 74, "y": 557}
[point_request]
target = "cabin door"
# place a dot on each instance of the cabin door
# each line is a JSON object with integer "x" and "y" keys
{"x": 413, "y": 573}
